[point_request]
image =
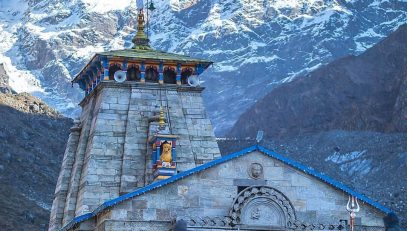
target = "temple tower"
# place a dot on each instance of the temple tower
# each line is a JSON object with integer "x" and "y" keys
{"x": 142, "y": 120}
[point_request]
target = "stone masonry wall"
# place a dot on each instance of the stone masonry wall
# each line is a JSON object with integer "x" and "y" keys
{"x": 212, "y": 192}
{"x": 73, "y": 187}
{"x": 112, "y": 155}
{"x": 57, "y": 212}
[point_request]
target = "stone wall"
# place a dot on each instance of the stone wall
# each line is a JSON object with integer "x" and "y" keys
{"x": 212, "y": 193}
{"x": 111, "y": 156}
{"x": 58, "y": 205}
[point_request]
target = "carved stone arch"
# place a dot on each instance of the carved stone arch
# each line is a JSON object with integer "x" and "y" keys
{"x": 170, "y": 75}
{"x": 185, "y": 73}
{"x": 262, "y": 207}
{"x": 151, "y": 73}
{"x": 133, "y": 72}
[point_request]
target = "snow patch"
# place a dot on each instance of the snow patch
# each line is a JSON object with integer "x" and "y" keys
{"x": 339, "y": 158}
{"x": 319, "y": 19}
{"x": 39, "y": 203}
{"x": 359, "y": 167}
{"x": 88, "y": 51}
{"x": 225, "y": 68}
{"x": 104, "y": 6}
{"x": 259, "y": 59}
{"x": 352, "y": 162}
{"x": 20, "y": 80}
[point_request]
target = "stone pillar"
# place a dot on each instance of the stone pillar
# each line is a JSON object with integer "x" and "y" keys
{"x": 124, "y": 67}
{"x": 178, "y": 77}
{"x": 99, "y": 74}
{"x": 101, "y": 173}
{"x": 71, "y": 199}
{"x": 160, "y": 73}
{"x": 142, "y": 72}
{"x": 105, "y": 64}
{"x": 57, "y": 211}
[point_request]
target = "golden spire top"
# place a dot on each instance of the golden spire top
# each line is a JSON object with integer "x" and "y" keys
{"x": 140, "y": 40}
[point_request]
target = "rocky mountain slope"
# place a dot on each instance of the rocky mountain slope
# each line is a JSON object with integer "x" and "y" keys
{"x": 347, "y": 119}
{"x": 32, "y": 143}
{"x": 365, "y": 92}
{"x": 256, "y": 45}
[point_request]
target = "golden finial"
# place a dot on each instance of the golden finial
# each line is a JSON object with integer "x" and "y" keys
{"x": 140, "y": 40}
{"x": 161, "y": 121}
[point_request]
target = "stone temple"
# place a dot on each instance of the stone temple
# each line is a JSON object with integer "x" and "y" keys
{"x": 143, "y": 156}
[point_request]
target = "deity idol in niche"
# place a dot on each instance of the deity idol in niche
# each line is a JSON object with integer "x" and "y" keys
{"x": 166, "y": 153}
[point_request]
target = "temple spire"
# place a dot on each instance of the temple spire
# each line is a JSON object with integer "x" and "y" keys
{"x": 140, "y": 40}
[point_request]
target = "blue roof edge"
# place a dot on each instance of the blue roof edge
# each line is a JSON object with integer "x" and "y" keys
{"x": 325, "y": 179}
{"x": 223, "y": 159}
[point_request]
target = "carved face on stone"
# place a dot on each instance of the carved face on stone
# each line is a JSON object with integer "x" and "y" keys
{"x": 256, "y": 170}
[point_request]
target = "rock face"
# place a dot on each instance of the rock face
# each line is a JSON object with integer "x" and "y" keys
{"x": 363, "y": 93}
{"x": 347, "y": 119}
{"x": 4, "y": 81}
{"x": 256, "y": 45}
{"x": 32, "y": 140}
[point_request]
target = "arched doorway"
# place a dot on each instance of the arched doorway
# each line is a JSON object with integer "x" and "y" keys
{"x": 263, "y": 208}
{"x": 170, "y": 75}
{"x": 133, "y": 73}
{"x": 186, "y": 72}
{"x": 112, "y": 69}
{"x": 152, "y": 74}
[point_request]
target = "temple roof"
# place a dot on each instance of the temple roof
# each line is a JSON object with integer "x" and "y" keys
{"x": 144, "y": 55}
{"x": 153, "y": 55}
{"x": 181, "y": 175}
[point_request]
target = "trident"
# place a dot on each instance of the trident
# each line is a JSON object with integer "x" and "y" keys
{"x": 352, "y": 207}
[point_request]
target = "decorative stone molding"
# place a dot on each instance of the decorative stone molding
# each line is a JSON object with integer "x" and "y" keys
{"x": 298, "y": 225}
{"x": 209, "y": 222}
{"x": 262, "y": 206}
{"x": 226, "y": 222}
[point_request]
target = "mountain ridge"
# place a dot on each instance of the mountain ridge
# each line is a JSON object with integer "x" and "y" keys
{"x": 352, "y": 93}
{"x": 256, "y": 45}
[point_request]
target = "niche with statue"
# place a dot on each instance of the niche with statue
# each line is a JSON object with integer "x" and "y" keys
{"x": 164, "y": 156}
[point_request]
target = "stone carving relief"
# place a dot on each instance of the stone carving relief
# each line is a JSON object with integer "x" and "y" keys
{"x": 262, "y": 212}
{"x": 255, "y": 171}
{"x": 262, "y": 207}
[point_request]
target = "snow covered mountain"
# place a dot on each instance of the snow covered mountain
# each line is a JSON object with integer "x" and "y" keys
{"x": 256, "y": 44}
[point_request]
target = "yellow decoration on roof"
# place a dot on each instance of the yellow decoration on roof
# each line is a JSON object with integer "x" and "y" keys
{"x": 140, "y": 40}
